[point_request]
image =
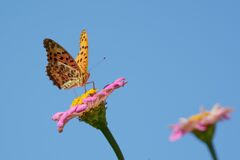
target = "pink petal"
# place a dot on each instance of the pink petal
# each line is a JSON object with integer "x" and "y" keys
{"x": 177, "y": 132}
{"x": 63, "y": 117}
{"x": 57, "y": 115}
{"x": 176, "y": 136}
{"x": 200, "y": 127}
{"x": 81, "y": 108}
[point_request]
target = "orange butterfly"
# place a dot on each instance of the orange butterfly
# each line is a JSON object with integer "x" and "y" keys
{"x": 62, "y": 69}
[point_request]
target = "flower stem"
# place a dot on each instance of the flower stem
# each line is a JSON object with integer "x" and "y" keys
{"x": 212, "y": 150}
{"x": 107, "y": 133}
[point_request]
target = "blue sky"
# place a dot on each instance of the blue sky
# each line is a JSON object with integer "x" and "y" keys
{"x": 176, "y": 56}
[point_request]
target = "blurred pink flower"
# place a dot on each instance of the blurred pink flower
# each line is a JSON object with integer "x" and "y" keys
{"x": 85, "y": 102}
{"x": 199, "y": 122}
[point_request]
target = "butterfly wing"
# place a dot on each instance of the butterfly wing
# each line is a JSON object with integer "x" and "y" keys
{"x": 62, "y": 69}
{"x": 63, "y": 76}
{"x": 82, "y": 57}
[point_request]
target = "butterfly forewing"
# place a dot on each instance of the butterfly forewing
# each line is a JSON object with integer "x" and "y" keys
{"x": 62, "y": 75}
{"x": 62, "y": 69}
{"x": 82, "y": 57}
{"x": 57, "y": 53}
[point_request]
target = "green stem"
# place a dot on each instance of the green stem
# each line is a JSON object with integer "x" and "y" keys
{"x": 212, "y": 150}
{"x": 107, "y": 133}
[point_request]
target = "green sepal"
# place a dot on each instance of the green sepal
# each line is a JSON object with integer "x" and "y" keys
{"x": 205, "y": 136}
{"x": 95, "y": 116}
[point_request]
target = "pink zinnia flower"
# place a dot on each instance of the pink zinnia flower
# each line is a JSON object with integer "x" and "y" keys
{"x": 199, "y": 122}
{"x": 89, "y": 107}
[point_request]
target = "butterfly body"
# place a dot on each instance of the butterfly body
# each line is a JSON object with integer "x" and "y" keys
{"x": 62, "y": 69}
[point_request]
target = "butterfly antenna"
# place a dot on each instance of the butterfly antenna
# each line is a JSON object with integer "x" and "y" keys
{"x": 98, "y": 63}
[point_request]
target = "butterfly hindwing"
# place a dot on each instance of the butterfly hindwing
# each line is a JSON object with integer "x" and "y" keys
{"x": 63, "y": 76}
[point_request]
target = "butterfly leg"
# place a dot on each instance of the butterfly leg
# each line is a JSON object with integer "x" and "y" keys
{"x": 93, "y": 84}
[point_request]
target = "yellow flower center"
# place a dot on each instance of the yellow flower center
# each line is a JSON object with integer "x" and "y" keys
{"x": 198, "y": 117}
{"x": 79, "y": 100}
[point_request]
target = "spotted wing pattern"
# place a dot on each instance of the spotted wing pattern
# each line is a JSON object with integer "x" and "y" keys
{"x": 82, "y": 57}
{"x": 62, "y": 69}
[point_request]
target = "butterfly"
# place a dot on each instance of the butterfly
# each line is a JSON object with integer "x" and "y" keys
{"x": 62, "y": 69}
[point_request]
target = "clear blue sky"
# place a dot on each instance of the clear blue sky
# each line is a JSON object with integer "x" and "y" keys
{"x": 176, "y": 56}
